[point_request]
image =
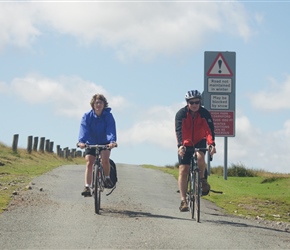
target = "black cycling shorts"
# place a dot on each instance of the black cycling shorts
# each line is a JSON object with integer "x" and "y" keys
{"x": 185, "y": 160}
{"x": 92, "y": 151}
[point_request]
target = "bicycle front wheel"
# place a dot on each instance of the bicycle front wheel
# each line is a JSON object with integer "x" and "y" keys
{"x": 197, "y": 190}
{"x": 190, "y": 196}
{"x": 97, "y": 191}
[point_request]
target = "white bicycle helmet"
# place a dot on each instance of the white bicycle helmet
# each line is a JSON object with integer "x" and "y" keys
{"x": 192, "y": 94}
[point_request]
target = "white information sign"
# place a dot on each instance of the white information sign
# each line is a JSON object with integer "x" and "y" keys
{"x": 219, "y": 85}
{"x": 219, "y": 102}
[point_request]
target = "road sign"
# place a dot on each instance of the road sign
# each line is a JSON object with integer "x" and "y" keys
{"x": 220, "y": 91}
{"x": 219, "y": 67}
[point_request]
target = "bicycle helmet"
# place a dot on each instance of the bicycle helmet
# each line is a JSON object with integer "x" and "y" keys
{"x": 192, "y": 94}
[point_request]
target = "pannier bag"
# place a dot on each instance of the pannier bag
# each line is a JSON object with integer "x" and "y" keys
{"x": 113, "y": 173}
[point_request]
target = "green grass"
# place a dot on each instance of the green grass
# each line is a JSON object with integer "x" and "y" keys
{"x": 18, "y": 169}
{"x": 266, "y": 195}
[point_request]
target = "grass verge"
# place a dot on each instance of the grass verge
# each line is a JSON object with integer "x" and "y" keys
{"x": 265, "y": 196}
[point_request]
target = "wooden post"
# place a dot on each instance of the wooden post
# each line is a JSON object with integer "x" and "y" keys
{"x": 47, "y": 145}
{"x": 73, "y": 153}
{"x": 35, "y": 143}
{"x": 29, "y": 144}
{"x": 58, "y": 149}
{"x": 41, "y": 146}
{"x": 66, "y": 152}
{"x": 78, "y": 153}
{"x": 15, "y": 142}
{"x": 51, "y": 147}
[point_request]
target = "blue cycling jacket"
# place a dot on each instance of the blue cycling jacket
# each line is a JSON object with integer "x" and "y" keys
{"x": 98, "y": 129}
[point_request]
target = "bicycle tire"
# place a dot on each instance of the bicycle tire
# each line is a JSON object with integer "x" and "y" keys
{"x": 197, "y": 190}
{"x": 97, "y": 196}
{"x": 191, "y": 196}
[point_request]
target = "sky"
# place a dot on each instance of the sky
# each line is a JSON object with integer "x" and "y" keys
{"x": 144, "y": 56}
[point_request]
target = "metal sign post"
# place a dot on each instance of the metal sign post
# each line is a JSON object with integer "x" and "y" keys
{"x": 219, "y": 95}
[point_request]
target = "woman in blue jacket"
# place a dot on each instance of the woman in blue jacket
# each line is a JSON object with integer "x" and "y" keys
{"x": 97, "y": 127}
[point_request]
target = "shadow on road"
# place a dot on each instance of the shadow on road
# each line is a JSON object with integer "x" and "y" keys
{"x": 238, "y": 224}
{"x": 137, "y": 214}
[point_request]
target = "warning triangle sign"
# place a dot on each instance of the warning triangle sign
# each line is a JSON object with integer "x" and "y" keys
{"x": 219, "y": 67}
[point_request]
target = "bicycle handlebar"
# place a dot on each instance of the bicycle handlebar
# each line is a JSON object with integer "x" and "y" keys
{"x": 99, "y": 146}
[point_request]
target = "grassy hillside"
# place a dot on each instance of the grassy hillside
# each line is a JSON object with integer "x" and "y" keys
{"x": 258, "y": 194}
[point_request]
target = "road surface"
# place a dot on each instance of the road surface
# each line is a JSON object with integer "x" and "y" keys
{"x": 142, "y": 213}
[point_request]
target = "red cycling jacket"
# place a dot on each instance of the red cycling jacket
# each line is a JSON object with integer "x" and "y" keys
{"x": 190, "y": 131}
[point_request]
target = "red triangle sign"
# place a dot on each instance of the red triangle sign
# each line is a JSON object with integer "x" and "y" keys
{"x": 219, "y": 67}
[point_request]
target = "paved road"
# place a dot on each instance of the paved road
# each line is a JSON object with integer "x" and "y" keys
{"x": 142, "y": 213}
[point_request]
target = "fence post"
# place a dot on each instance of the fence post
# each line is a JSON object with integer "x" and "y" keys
{"x": 58, "y": 150}
{"x": 29, "y": 144}
{"x": 41, "y": 146}
{"x": 79, "y": 153}
{"x": 15, "y": 142}
{"x": 66, "y": 152}
{"x": 73, "y": 153}
{"x": 51, "y": 147}
{"x": 47, "y": 145}
{"x": 35, "y": 143}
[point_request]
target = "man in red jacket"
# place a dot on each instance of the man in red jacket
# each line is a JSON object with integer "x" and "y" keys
{"x": 194, "y": 128}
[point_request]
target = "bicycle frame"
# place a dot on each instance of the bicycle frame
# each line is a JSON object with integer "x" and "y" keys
{"x": 194, "y": 184}
{"x": 98, "y": 177}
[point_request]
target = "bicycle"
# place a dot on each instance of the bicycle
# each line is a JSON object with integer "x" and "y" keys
{"x": 98, "y": 177}
{"x": 194, "y": 186}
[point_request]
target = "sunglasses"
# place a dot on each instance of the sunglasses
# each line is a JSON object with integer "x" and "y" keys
{"x": 196, "y": 102}
{"x": 99, "y": 102}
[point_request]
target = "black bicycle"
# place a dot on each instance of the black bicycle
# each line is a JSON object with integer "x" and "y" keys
{"x": 98, "y": 177}
{"x": 194, "y": 186}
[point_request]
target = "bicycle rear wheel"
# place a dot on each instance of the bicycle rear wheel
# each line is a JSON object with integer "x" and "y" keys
{"x": 97, "y": 191}
{"x": 197, "y": 188}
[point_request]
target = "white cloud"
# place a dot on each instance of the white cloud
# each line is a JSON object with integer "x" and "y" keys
{"x": 17, "y": 25}
{"x": 69, "y": 96}
{"x": 277, "y": 93}
{"x": 155, "y": 127}
{"x": 257, "y": 149}
{"x": 132, "y": 29}
{"x": 250, "y": 146}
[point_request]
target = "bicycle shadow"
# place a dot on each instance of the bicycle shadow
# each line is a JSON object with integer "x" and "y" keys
{"x": 136, "y": 214}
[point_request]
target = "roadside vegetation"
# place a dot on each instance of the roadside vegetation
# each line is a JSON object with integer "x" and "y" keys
{"x": 18, "y": 169}
{"x": 247, "y": 192}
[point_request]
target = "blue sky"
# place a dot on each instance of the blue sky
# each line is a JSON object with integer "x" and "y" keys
{"x": 143, "y": 56}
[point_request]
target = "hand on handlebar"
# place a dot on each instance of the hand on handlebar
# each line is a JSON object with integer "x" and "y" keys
{"x": 212, "y": 150}
{"x": 181, "y": 151}
{"x": 81, "y": 145}
{"x": 112, "y": 145}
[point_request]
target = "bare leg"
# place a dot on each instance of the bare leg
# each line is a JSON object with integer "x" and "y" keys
{"x": 182, "y": 180}
{"x": 105, "y": 156}
{"x": 201, "y": 163}
{"x": 90, "y": 159}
